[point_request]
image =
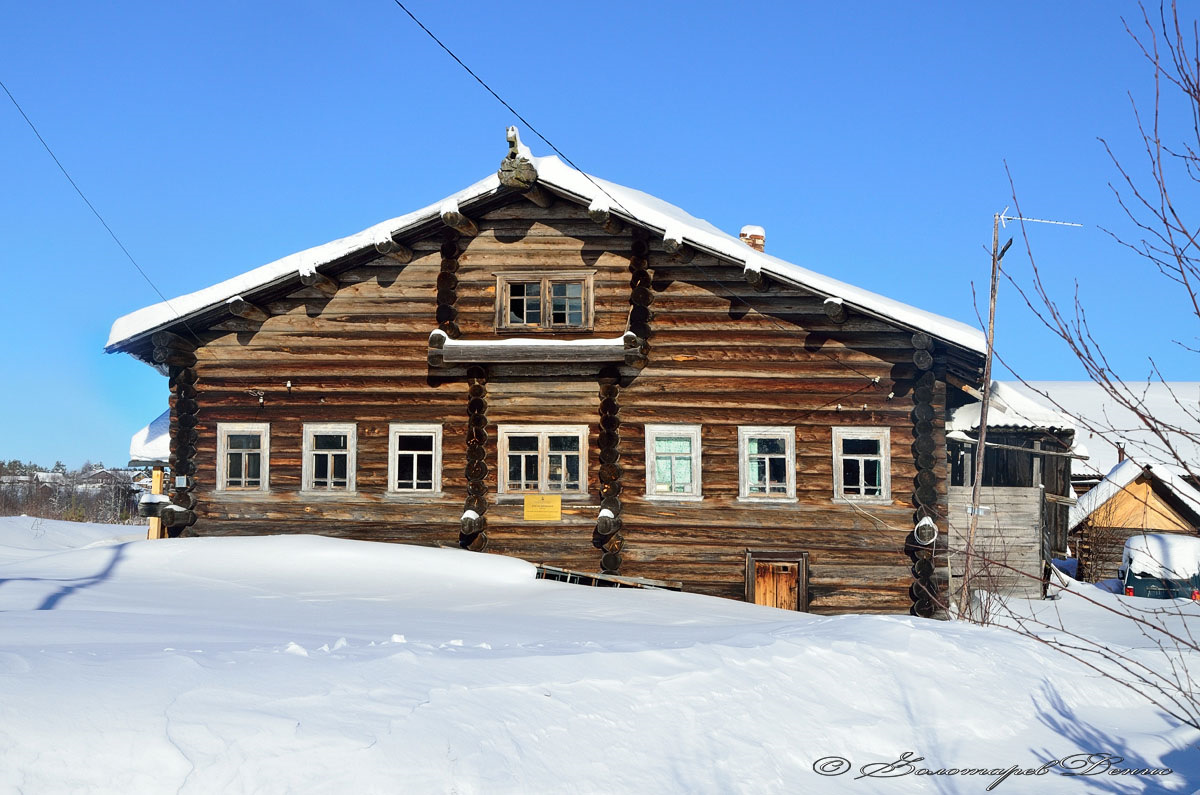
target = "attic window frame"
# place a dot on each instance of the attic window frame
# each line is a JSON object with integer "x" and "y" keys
{"x": 545, "y": 280}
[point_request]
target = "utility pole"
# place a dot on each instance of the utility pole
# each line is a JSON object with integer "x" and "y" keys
{"x": 985, "y": 400}
{"x": 986, "y": 395}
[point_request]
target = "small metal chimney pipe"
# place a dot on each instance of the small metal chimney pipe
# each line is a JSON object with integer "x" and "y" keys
{"x": 754, "y": 236}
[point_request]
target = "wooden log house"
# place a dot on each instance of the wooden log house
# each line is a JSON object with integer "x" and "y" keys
{"x": 697, "y": 410}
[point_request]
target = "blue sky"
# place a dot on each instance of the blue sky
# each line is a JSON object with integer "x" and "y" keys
{"x": 869, "y": 139}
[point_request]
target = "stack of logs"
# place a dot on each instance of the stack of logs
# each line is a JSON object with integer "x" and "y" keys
{"x": 607, "y": 536}
{"x": 924, "y": 590}
{"x": 179, "y": 355}
{"x": 472, "y": 533}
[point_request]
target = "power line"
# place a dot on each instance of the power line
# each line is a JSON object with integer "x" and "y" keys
{"x": 90, "y": 206}
{"x": 511, "y": 109}
{"x": 729, "y": 293}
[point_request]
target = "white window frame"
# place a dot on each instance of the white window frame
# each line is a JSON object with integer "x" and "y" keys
{"x": 312, "y": 429}
{"x": 543, "y": 432}
{"x": 883, "y": 435}
{"x": 692, "y": 432}
{"x": 398, "y": 429}
{"x": 748, "y": 432}
{"x": 224, "y": 431}
{"x": 545, "y": 278}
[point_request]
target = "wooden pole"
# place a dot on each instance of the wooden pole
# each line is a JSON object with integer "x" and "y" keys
{"x": 976, "y": 485}
{"x": 156, "y": 487}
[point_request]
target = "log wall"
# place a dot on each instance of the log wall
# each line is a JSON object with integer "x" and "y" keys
{"x": 721, "y": 354}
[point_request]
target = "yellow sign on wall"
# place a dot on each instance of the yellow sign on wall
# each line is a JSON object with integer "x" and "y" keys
{"x": 543, "y": 507}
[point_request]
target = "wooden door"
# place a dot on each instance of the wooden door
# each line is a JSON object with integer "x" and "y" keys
{"x": 777, "y": 584}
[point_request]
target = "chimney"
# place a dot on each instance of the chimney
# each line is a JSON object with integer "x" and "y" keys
{"x": 754, "y": 236}
{"x": 1120, "y": 452}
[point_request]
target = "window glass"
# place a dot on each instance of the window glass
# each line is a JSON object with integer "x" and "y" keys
{"x": 408, "y": 443}
{"x": 241, "y": 466}
{"x": 416, "y": 451}
{"x": 547, "y": 461}
{"x": 768, "y": 461}
{"x": 524, "y": 303}
{"x": 860, "y": 446}
{"x": 329, "y": 441}
{"x": 329, "y": 459}
{"x": 673, "y": 465}
{"x": 549, "y": 302}
{"x": 862, "y": 464}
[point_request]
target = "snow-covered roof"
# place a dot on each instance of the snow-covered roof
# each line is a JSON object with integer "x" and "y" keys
{"x": 152, "y": 444}
{"x": 1120, "y": 477}
{"x": 1009, "y": 409}
{"x": 631, "y": 205}
{"x": 1167, "y": 556}
{"x": 1101, "y": 423}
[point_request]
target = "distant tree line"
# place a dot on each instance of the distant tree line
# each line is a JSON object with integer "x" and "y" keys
{"x": 90, "y": 493}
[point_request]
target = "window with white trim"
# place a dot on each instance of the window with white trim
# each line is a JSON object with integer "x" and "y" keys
{"x": 862, "y": 464}
{"x": 414, "y": 458}
{"x": 767, "y": 462}
{"x": 543, "y": 459}
{"x": 673, "y": 462}
{"x": 528, "y": 301}
{"x": 243, "y": 456}
{"x": 329, "y": 457}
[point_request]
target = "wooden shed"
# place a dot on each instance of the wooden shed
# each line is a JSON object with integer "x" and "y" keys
{"x": 1025, "y": 493}
{"x": 1134, "y": 498}
{"x": 555, "y": 367}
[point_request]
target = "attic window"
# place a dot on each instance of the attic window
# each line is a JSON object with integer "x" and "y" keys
{"x": 532, "y": 301}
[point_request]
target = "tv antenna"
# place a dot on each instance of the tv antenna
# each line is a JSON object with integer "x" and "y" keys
{"x": 999, "y": 219}
{"x": 1005, "y": 218}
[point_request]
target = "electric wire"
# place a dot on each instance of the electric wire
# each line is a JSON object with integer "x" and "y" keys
{"x": 729, "y": 292}
{"x": 91, "y": 206}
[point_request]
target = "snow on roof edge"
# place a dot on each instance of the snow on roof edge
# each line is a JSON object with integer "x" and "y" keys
{"x": 152, "y": 444}
{"x": 641, "y": 207}
{"x": 1009, "y": 409}
{"x": 1119, "y": 478}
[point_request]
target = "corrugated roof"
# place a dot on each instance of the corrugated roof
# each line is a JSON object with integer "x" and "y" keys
{"x": 1009, "y": 409}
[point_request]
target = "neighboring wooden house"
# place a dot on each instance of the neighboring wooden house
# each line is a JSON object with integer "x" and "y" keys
{"x": 1133, "y": 498}
{"x": 554, "y": 367}
{"x": 1025, "y": 492}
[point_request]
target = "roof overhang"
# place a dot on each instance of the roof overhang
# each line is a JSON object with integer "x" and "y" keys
{"x": 201, "y": 309}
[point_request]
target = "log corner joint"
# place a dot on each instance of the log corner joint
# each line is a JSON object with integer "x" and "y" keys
{"x": 387, "y": 245}
{"x": 673, "y": 244}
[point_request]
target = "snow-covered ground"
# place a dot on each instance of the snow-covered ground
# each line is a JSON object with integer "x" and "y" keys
{"x": 309, "y": 664}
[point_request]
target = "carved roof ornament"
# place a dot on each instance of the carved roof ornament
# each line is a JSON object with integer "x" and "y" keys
{"x": 516, "y": 169}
